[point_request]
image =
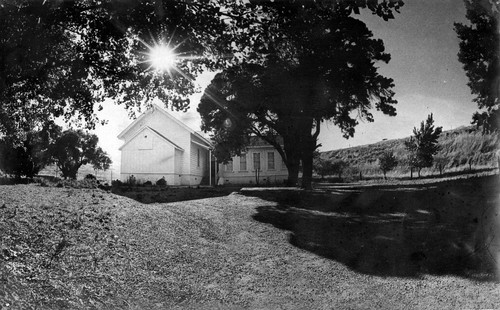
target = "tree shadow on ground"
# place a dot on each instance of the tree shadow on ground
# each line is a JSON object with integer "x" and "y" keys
{"x": 152, "y": 194}
{"x": 441, "y": 229}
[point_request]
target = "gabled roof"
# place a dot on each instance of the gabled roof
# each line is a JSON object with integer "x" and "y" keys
{"x": 155, "y": 132}
{"x": 155, "y": 107}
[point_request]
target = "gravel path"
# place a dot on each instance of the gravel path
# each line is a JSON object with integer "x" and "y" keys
{"x": 213, "y": 254}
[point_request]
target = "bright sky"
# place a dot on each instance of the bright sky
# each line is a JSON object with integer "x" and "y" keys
{"x": 424, "y": 66}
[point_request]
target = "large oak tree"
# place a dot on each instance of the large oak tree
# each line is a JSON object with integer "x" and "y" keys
{"x": 303, "y": 63}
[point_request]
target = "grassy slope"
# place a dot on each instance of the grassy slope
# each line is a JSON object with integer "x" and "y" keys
{"x": 382, "y": 248}
{"x": 458, "y": 146}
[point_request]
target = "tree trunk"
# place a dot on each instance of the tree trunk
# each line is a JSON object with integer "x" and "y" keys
{"x": 292, "y": 160}
{"x": 419, "y": 172}
{"x": 307, "y": 168}
{"x": 385, "y": 177}
{"x": 69, "y": 171}
{"x": 293, "y": 174}
{"x": 411, "y": 172}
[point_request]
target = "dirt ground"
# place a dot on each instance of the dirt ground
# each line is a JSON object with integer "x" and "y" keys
{"x": 414, "y": 247}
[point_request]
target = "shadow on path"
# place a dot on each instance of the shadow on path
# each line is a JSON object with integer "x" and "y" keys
{"x": 154, "y": 194}
{"x": 448, "y": 228}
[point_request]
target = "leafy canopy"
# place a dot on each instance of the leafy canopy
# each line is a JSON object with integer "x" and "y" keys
{"x": 303, "y": 63}
{"x": 424, "y": 144}
{"x": 62, "y": 58}
{"x": 480, "y": 53}
{"x": 387, "y": 162}
{"x": 75, "y": 148}
{"x": 29, "y": 156}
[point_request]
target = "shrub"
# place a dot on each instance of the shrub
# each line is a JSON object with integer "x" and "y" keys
{"x": 161, "y": 182}
{"x": 147, "y": 183}
{"x": 131, "y": 180}
{"x": 90, "y": 177}
{"x": 43, "y": 182}
{"x": 116, "y": 183}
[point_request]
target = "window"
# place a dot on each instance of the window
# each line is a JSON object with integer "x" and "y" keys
{"x": 270, "y": 161}
{"x": 229, "y": 165}
{"x": 198, "y": 157}
{"x": 256, "y": 161}
{"x": 243, "y": 162}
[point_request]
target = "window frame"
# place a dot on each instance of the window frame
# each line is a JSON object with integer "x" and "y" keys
{"x": 269, "y": 161}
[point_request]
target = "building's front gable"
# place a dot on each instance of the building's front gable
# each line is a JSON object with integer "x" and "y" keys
{"x": 149, "y": 156}
{"x": 157, "y": 143}
{"x": 166, "y": 125}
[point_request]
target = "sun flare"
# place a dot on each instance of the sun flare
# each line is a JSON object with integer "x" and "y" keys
{"x": 162, "y": 57}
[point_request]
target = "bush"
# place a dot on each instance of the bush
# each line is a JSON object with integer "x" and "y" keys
{"x": 131, "y": 181}
{"x": 147, "y": 183}
{"x": 116, "y": 183}
{"x": 161, "y": 182}
{"x": 43, "y": 182}
{"x": 90, "y": 177}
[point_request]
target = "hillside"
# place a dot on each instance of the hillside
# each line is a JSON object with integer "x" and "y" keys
{"x": 459, "y": 148}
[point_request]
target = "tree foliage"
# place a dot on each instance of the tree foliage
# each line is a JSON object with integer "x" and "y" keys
{"x": 440, "y": 163}
{"x": 304, "y": 63}
{"x": 423, "y": 145}
{"x": 479, "y": 53}
{"x": 62, "y": 58}
{"x": 387, "y": 162}
{"x": 75, "y": 148}
{"x": 28, "y": 157}
{"x": 326, "y": 167}
{"x": 322, "y": 166}
{"x": 338, "y": 167}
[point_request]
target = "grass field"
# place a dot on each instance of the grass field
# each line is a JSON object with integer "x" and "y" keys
{"x": 390, "y": 246}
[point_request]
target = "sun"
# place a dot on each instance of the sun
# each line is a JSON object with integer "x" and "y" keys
{"x": 161, "y": 57}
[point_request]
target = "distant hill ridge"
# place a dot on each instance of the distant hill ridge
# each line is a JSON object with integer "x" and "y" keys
{"x": 462, "y": 147}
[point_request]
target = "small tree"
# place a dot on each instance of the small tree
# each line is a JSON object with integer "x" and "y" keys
{"x": 322, "y": 166}
{"x": 470, "y": 160}
{"x": 423, "y": 146}
{"x": 387, "y": 162}
{"x": 76, "y": 148}
{"x": 338, "y": 167}
{"x": 411, "y": 157}
{"x": 440, "y": 163}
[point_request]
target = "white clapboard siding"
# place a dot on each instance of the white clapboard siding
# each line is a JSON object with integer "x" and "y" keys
{"x": 170, "y": 153}
{"x": 248, "y": 176}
